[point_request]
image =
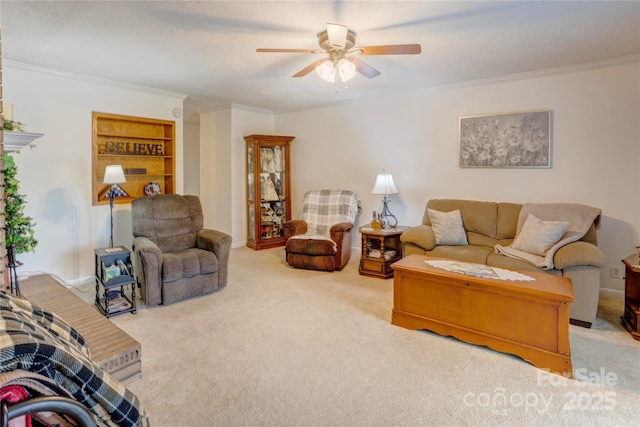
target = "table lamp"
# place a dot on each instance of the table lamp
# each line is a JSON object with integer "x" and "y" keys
{"x": 114, "y": 175}
{"x": 384, "y": 185}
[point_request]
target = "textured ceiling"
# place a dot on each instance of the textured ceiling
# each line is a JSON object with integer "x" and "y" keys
{"x": 207, "y": 49}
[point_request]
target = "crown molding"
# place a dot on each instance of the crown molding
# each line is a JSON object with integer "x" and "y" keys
{"x": 538, "y": 73}
{"x": 91, "y": 79}
{"x": 622, "y": 60}
{"x": 233, "y": 106}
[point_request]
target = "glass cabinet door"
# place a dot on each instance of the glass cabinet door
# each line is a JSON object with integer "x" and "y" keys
{"x": 267, "y": 189}
{"x": 271, "y": 196}
{"x": 251, "y": 194}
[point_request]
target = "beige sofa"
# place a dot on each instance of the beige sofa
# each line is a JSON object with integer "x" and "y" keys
{"x": 487, "y": 224}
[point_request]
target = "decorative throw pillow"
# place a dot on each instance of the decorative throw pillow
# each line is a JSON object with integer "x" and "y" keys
{"x": 448, "y": 227}
{"x": 538, "y": 236}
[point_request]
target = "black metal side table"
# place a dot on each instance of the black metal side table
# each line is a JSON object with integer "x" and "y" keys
{"x": 114, "y": 275}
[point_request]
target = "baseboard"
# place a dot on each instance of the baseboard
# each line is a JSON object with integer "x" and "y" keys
{"x": 611, "y": 293}
{"x": 79, "y": 282}
{"x": 67, "y": 283}
{"x": 580, "y": 323}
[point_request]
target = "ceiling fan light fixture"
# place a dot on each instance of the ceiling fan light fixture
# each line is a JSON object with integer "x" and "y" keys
{"x": 347, "y": 69}
{"x": 326, "y": 71}
{"x": 342, "y": 64}
{"x": 337, "y": 35}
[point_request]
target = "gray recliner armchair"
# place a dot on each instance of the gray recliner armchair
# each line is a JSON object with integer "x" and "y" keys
{"x": 175, "y": 257}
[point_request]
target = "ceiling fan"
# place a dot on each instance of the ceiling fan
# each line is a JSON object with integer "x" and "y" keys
{"x": 342, "y": 63}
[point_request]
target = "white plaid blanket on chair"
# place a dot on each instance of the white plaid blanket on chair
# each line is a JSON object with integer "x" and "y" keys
{"x": 323, "y": 208}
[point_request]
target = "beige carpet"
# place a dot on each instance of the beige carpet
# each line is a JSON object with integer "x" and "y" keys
{"x": 281, "y": 347}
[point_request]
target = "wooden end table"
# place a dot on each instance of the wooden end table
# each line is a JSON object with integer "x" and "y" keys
{"x": 630, "y": 318}
{"x": 111, "y": 296}
{"x": 375, "y": 242}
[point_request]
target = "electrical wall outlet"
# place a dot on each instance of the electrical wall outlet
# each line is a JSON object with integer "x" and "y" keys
{"x": 616, "y": 271}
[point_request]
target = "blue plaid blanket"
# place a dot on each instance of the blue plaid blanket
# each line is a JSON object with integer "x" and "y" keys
{"x": 36, "y": 340}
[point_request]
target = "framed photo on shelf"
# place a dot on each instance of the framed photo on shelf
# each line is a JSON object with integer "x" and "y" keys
{"x": 507, "y": 140}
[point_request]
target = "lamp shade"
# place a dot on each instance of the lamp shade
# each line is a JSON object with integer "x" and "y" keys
{"x": 113, "y": 174}
{"x": 384, "y": 184}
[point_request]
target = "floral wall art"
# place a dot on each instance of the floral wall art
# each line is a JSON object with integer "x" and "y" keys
{"x": 511, "y": 140}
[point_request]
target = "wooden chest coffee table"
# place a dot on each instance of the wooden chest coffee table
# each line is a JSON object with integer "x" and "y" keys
{"x": 527, "y": 318}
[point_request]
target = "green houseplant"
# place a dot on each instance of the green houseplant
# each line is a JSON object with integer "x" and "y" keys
{"x": 10, "y": 125}
{"x": 19, "y": 233}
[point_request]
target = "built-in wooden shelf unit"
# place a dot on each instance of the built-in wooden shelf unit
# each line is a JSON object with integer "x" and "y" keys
{"x": 145, "y": 148}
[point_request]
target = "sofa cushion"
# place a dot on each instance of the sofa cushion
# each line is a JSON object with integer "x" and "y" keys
{"x": 448, "y": 227}
{"x": 469, "y": 253}
{"x": 508, "y": 214}
{"x": 501, "y": 261}
{"x": 480, "y": 239}
{"x": 538, "y": 236}
{"x": 479, "y": 217}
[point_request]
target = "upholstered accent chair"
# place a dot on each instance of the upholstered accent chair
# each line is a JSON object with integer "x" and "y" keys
{"x": 175, "y": 257}
{"x": 321, "y": 238}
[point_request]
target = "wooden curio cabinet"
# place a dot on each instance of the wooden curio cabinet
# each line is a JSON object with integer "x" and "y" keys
{"x": 268, "y": 189}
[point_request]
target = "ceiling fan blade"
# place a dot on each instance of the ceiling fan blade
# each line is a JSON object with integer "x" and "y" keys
{"x": 337, "y": 35}
{"x": 309, "y": 68}
{"x": 365, "y": 69}
{"x": 395, "y": 49}
{"x": 287, "y": 50}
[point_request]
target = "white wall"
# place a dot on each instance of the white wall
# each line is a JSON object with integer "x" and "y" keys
{"x": 215, "y": 169}
{"x": 192, "y": 158}
{"x": 246, "y": 121}
{"x": 595, "y": 143}
{"x": 56, "y": 175}
{"x": 222, "y": 162}
{"x": 596, "y": 153}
